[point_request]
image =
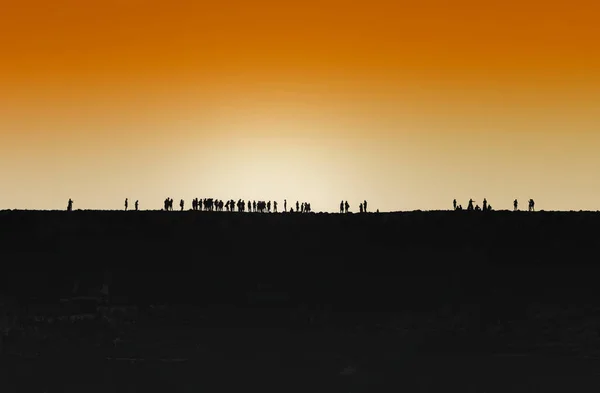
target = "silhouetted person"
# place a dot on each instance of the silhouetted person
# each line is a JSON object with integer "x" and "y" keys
{"x": 531, "y": 205}
{"x": 365, "y": 206}
{"x": 470, "y": 206}
{"x": 477, "y": 208}
{"x": 347, "y": 206}
{"x": 137, "y": 205}
{"x": 126, "y": 204}
{"x": 516, "y": 205}
{"x": 275, "y": 206}
{"x": 360, "y": 207}
{"x": 485, "y": 204}
{"x": 341, "y": 206}
{"x": 490, "y": 208}
{"x": 297, "y": 206}
{"x": 70, "y": 205}
{"x": 285, "y": 205}
{"x": 454, "y": 204}
{"x": 181, "y": 203}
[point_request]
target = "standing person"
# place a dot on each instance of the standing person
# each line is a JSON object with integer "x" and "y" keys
{"x": 516, "y": 205}
{"x": 285, "y": 205}
{"x": 70, "y": 205}
{"x": 454, "y": 204}
{"x": 137, "y": 205}
{"x": 126, "y": 204}
{"x": 365, "y": 205}
{"x": 181, "y": 203}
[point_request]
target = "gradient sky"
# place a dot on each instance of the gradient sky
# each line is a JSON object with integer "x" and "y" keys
{"x": 408, "y": 105}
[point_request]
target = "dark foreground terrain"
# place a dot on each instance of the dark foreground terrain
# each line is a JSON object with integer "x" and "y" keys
{"x": 416, "y": 301}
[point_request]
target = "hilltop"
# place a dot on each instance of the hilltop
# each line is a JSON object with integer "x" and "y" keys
{"x": 373, "y": 258}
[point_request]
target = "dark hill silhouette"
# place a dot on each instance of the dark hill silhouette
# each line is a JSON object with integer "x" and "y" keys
{"x": 369, "y": 261}
{"x": 464, "y": 289}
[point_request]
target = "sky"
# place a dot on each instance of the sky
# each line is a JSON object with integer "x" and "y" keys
{"x": 407, "y": 105}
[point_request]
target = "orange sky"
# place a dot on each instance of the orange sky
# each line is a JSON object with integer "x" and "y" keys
{"x": 405, "y": 105}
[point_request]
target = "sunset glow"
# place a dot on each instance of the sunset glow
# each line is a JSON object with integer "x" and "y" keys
{"x": 405, "y": 105}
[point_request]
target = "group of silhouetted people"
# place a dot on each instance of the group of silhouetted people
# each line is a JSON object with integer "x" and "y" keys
{"x": 137, "y": 204}
{"x": 488, "y": 207}
{"x": 211, "y": 204}
{"x": 530, "y": 207}
{"x": 470, "y": 207}
{"x": 345, "y": 207}
{"x": 168, "y": 204}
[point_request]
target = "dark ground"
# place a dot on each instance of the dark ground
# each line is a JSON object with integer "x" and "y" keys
{"x": 419, "y": 301}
